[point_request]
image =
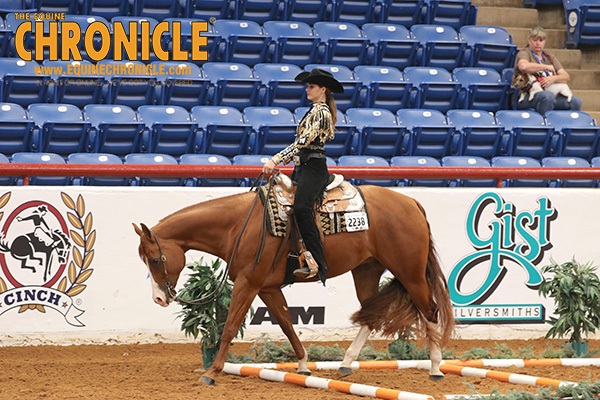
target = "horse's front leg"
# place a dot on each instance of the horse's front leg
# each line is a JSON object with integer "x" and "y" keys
{"x": 275, "y": 301}
{"x": 241, "y": 299}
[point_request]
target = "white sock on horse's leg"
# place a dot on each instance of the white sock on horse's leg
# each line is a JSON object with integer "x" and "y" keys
{"x": 354, "y": 349}
{"x": 302, "y": 363}
{"x": 435, "y": 351}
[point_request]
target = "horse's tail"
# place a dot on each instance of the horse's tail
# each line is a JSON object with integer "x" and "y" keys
{"x": 4, "y": 247}
{"x": 391, "y": 310}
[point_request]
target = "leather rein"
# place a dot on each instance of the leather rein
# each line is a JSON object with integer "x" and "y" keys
{"x": 217, "y": 291}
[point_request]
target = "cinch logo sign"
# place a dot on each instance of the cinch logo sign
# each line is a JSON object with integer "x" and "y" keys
{"x": 502, "y": 237}
{"x": 45, "y": 258}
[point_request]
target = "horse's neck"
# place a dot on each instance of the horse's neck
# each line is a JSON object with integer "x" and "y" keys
{"x": 206, "y": 226}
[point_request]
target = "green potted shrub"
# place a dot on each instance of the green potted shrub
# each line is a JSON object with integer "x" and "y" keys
{"x": 208, "y": 319}
{"x": 575, "y": 289}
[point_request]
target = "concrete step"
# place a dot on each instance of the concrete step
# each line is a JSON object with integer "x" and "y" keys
{"x": 590, "y": 57}
{"x": 585, "y": 79}
{"x": 590, "y": 99}
{"x": 552, "y": 16}
{"x": 507, "y": 16}
{"x": 498, "y": 3}
{"x": 570, "y": 59}
{"x": 555, "y": 38}
{"x": 595, "y": 115}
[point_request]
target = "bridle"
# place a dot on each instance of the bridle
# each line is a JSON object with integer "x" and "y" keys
{"x": 163, "y": 260}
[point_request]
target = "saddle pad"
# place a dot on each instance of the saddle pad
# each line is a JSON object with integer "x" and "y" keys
{"x": 331, "y": 223}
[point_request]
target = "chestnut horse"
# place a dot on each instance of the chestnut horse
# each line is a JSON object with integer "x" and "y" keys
{"x": 399, "y": 240}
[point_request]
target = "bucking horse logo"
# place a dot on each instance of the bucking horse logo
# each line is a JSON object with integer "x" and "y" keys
{"x": 39, "y": 246}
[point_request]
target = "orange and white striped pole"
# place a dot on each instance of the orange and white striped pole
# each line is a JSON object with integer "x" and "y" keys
{"x": 502, "y": 376}
{"x": 322, "y": 383}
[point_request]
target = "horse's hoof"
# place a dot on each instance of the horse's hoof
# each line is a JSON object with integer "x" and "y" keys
{"x": 207, "y": 380}
{"x": 305, "y": 373}
{"x": 344, "y": 371}
{"x": 436, "y": 377}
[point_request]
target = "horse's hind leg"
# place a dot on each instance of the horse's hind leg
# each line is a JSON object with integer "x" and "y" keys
{"x": 277, "y": 305}
{"x": 366, "y": 282}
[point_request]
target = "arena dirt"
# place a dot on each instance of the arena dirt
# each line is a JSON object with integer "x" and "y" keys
{"x": 166, "y": 371}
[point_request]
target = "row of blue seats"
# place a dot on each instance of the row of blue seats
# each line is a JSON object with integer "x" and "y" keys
{"x": 408, "y": 12}
{"x": 298, "y": 43}
{"x": 239, "y": 86}
{"x": 115, "y": 129}
{"x": 345, "y": 161}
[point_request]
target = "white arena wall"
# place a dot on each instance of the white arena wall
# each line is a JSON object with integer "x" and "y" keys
{"x": 492, "y": 244}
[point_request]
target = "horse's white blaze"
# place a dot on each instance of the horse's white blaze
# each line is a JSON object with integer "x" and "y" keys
{"x": 158, "y": 295}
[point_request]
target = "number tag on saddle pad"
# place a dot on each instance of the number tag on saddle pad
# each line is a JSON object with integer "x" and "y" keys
{"x": 356, "y": 221}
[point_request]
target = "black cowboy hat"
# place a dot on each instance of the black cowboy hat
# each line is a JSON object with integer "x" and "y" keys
{"x": 322, "y": 78}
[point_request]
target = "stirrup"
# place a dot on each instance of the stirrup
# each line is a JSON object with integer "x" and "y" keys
{"x": 310, "y": 269}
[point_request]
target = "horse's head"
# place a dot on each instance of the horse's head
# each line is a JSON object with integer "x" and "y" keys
{"x": 165, "y": 260}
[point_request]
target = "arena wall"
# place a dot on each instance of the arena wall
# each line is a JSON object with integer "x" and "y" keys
{"x": 492, "y": 244}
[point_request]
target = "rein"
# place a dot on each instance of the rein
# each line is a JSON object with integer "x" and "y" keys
{"x": 213, "y": 295}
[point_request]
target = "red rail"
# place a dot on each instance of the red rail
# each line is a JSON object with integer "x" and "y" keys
{"x": 235, "y": 171}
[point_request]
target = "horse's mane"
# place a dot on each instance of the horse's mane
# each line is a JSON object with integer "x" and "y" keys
{"x": 219, "y": 203}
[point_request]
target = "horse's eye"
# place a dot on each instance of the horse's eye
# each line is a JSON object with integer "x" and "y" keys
{"x": 154, "y": 261}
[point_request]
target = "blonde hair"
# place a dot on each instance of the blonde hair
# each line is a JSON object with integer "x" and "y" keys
{"x": 331, "y": 103}
{"x": 537, "y": 32}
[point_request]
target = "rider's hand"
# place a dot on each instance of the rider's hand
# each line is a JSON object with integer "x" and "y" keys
{"x": 268, "y": 167}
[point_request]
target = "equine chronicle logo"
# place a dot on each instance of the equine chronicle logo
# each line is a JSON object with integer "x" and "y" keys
{"x": 45, "y": 259}
{"x": 511, "y": 239}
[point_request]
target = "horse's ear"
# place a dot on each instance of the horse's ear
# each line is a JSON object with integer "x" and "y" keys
{"x": 137, "y": 230}
{"x": 141, "y": 232}
{"x": 146, "y": 231}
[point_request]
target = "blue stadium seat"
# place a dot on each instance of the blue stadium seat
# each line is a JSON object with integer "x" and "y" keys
{"x": 183, "y": 84}
{"x": 519, "y": 162}
{"x": 346, "y": 141}
{"x": 249, "y": 159}
{"x": 468, "y": 162}
{"x": 5, "y": 38}
{"x": 385, "y": 87}
{"x": 106, "y": 8}
{"x": 153, "y": 159}
{"x": 55, "y": 6}
{"x": 157, "y": 9}
{"x": 97, "y": 158}
{"x": 6, "y": 180}
{"x": 207, "y": 9}
{"x": 124, "y": 22}
{"x": 342, "y": 44}
{"x": 206, "y": 159}
{"x": 293, "y": 42}
{"x": 358, "y": 12}
{"x": 245, "y": 41}
{"x": 568, "y": 162}
{"x": 78, "y": 89}
{"x": 116, "y": 129}
{"x": 262, "y": 11}
{"x": 352, "y": 86}
{"x": 171, "y": 130}
{"x": 131, "y": 90}
{"x": 584, "y": 26}
{"x": 482, "y": 89}
{"x": 406, "y": 12}
{"x": 311, "y": 11}
{"x": 225, "y": 130}
{"x": 488, "y": 47}
{"x": 391, "y": 45}
{"x": 214, "y": 46}
{"x": 530, "y": 136}
{"x": 578, "y": 133}
{"x": 16, "y": 130}
{"x": 533, "y": 3}
{"x": 275, "y": 128}
{"x": 366, "y": 161}
{"x": 434, "y": 88}
{"x": 423, "y": 161}
{"x": 41, "y": 158}
{"x": 234, "y": 84}
{"x": 21, "y": 84}
{"x": 454, "y": 13}
{"x": 507, "y": 74}
{"x": 279, "y": 89}
{"x": 380, "y": 134}
{"x": 439, "y": 46}
{"x": 480, "y": 134}
{"x": 62, "y": 128}
{"x": 429, "y": 134}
